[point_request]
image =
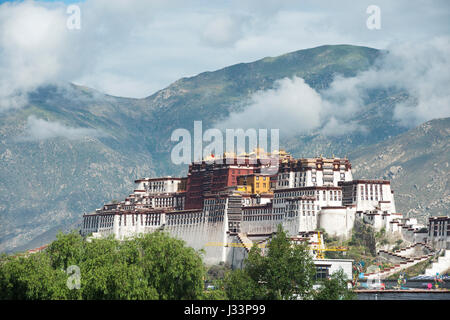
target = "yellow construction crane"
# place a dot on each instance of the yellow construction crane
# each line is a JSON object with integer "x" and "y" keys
{"x": 317, "y": 247}
{"x": 320, "y": 251}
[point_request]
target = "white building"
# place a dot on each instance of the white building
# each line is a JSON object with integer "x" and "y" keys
{"x": 310, "y": 194}
{"x": 157, "y": 185}
{"x": 311, "y": 172}
{"x": 368, "y": 195}
{"x": 439, "y": 232}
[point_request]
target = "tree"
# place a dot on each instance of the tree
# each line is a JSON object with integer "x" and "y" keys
{"x": 335, "y": 288}
{"x": 174, "y": 270}
{"x": 154, "y": 266}
{"x": 217, "y": 271}
{"x": 30, "y": 278}
{"x": 110, "y": 270}
{"x": 363, "y": 235}
{"x": 238, "y": 285}
{"x": 66, "y": 250}
{"x": 286, "y": 272}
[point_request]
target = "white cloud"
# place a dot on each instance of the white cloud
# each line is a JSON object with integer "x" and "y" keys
{"x": 336, "y": 127}
{"x": 295, "y": 108}
{"x": 291, "y": 106}
{"x": 40, "y": 129}
{"x": 32, "y": 45}
{"x": 425, "y": 73}
{"x": 421, "y": 69}
{"x": 223, "y": 30}
{"x": 150, "y": 44}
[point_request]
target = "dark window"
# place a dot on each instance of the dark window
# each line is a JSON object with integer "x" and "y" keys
{"x": 322, "y": 272}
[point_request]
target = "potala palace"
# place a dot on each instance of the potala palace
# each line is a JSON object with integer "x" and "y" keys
{"x": 227, "y": 205}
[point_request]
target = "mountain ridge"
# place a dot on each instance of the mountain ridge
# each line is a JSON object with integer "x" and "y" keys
{"x": 49, "y": 183}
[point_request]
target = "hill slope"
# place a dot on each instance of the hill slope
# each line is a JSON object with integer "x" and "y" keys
{"x": 417, "y": 163}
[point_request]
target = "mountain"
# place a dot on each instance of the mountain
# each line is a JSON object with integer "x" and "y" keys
{"x": 416, "y": 163}
{"x": 54, "y": 174}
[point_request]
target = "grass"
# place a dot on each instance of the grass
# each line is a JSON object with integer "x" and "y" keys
{"x": 355, "y": 252}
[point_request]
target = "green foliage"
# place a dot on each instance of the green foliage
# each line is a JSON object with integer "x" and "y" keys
{"x": 286, "y": 272}
{"x": 217, "y": 294}
{"x": 335, "y": 288}
{"x": 239, "y": 285}
{"x": 176, "y": 271}
{"x": 363, "y": 235}
{"x": 154, "y": 266}
{"x": 398, "y": 245}
{"x": 217, "y": 271}
{"x": 380, "y": 234}
{"x": 31, "y": 278}
{"x": 66, "y": 250}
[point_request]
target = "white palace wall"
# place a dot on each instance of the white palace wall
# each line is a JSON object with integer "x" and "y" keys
{"x": 337, "y": 221}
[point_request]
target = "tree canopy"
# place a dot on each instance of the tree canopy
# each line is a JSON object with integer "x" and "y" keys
{"x": 153, "y": 266}
{"x": 286, "y": 272}
{"x": 157, "y": 266}
{"x": 334, "y": 288}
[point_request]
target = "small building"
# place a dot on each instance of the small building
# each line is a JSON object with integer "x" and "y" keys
{"x": 326, "y": 267}
{"x": 439, "y": 232}
{"x": 254, "y": 183}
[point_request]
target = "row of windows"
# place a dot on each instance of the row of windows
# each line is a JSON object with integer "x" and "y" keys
{"x": 440, "y": 229}
{"x": 304, "y": 213}
{"x": 302, "y": 206}
{"x": 256, "y": 211}
{"x": 189, "y": 218}
{"x": 164, "y": 202}
{"x": 171, "y": 222}
{"x": 284, "y": 200}
{"x": 106, "y": 221}
{"x": 333, "y": 195}
{"x": 215, "y": 201}
{"x": 214, "y": 207}
{"x": 90, "y": 222}
{"x": 371, "y": 192}
{"x": 215, "y": 219}
{"x": 258, "y": 218}
{"x": 294, "y": 194}
{"x": 153, "y": 220}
